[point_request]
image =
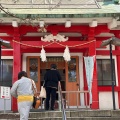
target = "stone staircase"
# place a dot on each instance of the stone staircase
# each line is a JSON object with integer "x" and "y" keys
{"x": 71, "y": 115}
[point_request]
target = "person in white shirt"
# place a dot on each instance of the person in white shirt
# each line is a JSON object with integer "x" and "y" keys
{"x": 22, "y": 90}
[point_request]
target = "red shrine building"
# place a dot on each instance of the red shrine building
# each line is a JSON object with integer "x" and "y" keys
{"x": 57, "y": 28}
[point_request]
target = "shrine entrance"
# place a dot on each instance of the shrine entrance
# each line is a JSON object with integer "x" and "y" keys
{"x": 69, "y": 72}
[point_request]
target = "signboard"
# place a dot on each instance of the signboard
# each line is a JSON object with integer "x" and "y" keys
{"x": 5, "y": 92}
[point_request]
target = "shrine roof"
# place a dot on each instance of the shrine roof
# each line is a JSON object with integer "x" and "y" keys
{"x": 106, "y": 9}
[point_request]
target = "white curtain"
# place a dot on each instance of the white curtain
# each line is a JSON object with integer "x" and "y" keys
{"x": 89, "y": 67}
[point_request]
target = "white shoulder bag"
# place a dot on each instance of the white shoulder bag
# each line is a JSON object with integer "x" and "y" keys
{"x": 43, "y": 92}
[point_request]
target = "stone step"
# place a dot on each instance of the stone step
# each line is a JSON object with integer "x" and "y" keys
{"x": 78, "y": 118}
{"x": 9, "y": 116}
{"x": 71, "y": 118}
{"x": 71, "y": 115}
{"x": 87, "y": 113}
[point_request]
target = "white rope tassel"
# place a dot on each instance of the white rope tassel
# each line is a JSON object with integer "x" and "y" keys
{"x": 43, "y": 55}
{"x": 66, "y": 54}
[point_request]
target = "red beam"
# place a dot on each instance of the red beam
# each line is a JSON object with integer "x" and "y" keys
{"x": 7, "y": 53}
{"x": 101, "y": 29}
{"x": 98, "y": 43}
{"x": 56, "y": 28}
{"x": 52, "y": 28}
{"x": 102, "y": 38}
{"x": 84, "y": 29}
{"x": 8, "y": 38}
{"x": 73, "y": 28}
{"x": 107, "y": 52}
{"x": 108, "y": 88}
{"x": 115, "y": 31}
{"x": 53, "y": 50}
{"x": 27, "y": 28}
{"x": 6, "y": 29}
{"x": 71, "y": 39}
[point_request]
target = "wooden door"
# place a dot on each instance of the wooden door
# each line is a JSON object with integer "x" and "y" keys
{"x": 33, "y": 69}
{"x": 59, "y": 61}
{"x": 72, "y": 80}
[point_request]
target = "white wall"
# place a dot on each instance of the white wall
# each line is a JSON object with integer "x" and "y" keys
{"x": 106, "y": 101}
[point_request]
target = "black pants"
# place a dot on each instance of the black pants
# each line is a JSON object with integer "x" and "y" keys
{"x": 50, "y": 98}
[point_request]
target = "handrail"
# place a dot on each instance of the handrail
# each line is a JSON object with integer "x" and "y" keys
{"x": 62, "y": 103}
{"x": 77, "y": 92}
{"x": 79, "y": 104}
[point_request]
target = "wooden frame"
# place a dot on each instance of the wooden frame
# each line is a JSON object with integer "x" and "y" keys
{"x": 38, "y": 69}
{"x": 72, "y": 86}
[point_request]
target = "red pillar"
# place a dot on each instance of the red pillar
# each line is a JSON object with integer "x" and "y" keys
{"x": 118, "y": 67}
{"x": 92, "y": 52}
{"x": 91, "y": 33}
{"x": 95, "y": 102}
{"x": 118, "y": 73}
{"x": 16, "y": 62}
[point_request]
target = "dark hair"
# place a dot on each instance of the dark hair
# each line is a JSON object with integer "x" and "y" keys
{"x": 22, "y": 73}
{"x": 54, "y": 66}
